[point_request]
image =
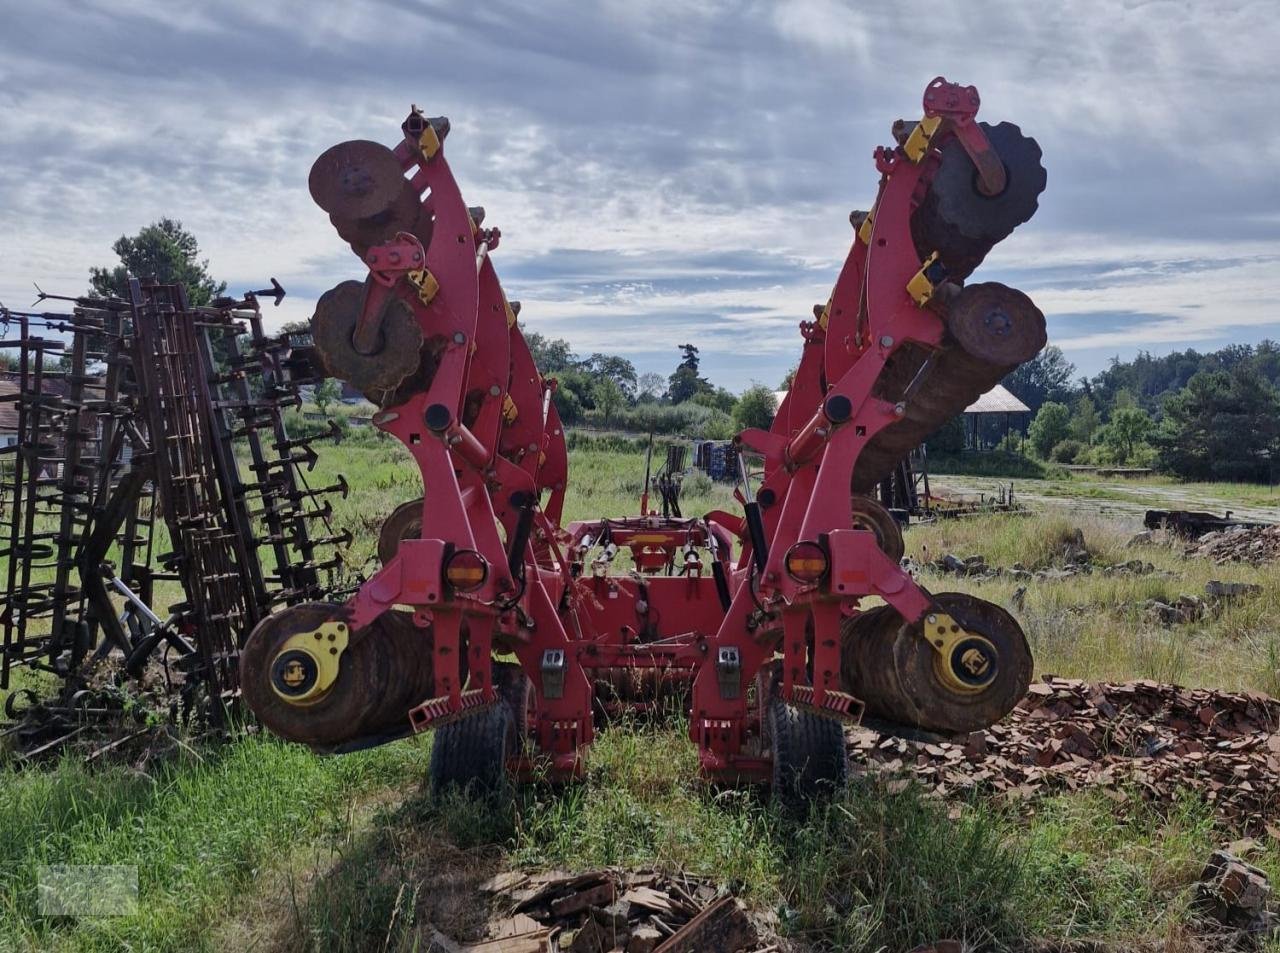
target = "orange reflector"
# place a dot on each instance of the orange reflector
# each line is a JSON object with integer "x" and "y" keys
{"x": 806, "y": 562}
{"x": 466, "y": 570}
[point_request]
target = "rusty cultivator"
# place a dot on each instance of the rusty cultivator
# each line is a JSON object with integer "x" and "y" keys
{"x": 506, "y": 631}
{"x": 150, "y": 452}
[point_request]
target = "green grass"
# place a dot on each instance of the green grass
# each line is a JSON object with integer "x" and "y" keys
{"x": 881, "y": 868}
{"x": 264, "y": 846}
{"x": 1093, "y": 626}
{"x": 200, "y": 829}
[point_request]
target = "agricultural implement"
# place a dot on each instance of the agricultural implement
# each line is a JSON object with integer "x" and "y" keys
{"x": 511, "y": 634}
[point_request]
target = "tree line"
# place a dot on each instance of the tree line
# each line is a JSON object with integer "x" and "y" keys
{"x": 1197, "y": 416}
{"x": 605, "y": 390}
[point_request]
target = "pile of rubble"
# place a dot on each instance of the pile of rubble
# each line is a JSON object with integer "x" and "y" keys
{"x": 1192, "y": 608}
{"x": 1240, "y": 544}
{"x": 608, "y": 910}
{"x": 1067, "y": 735}
{"x": 1077, "y": 562}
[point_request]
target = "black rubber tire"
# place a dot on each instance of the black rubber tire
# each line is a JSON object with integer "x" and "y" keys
{"x": 515, "y": 689}
{"x": 470, "y": 755}
{"x": 809, "y": 758}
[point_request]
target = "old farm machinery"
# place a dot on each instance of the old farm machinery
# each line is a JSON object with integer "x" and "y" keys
{"x": 507, "y": 632}
{"x": 153, "y": 508}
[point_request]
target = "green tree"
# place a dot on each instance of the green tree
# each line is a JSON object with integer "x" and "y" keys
{"x": 1221, "y": 426}
{"x": 1128, "y": 429}
{"x": 551, "y": 355}
{"x": 1046, "y": 377}
{"x": 1051, "y": 426}
{"x": 165, "y": 251}
{"x": 755, "y": 408}
{"x": 608, "y": 397}
{"x": 617, "y": 369}
{"x": 685, "y": 382}
{"x": 719, "y": 398}
{"x": 325, "y": 393}
{"x": 1084, "y": 420}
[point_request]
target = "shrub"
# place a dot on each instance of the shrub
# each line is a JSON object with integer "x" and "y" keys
{"x": 1066, "y": 451}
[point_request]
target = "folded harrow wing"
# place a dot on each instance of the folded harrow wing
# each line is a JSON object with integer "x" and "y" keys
{"x": 507, "y": 632}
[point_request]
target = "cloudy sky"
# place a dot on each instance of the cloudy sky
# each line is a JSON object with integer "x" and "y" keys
{"x": 664, "y": 171}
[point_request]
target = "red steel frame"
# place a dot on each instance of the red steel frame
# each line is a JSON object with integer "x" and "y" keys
{"x": 477, "y": 474}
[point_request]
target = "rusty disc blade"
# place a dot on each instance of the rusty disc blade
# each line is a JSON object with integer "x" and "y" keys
{"x": 401, "y": 216}
{"x": 870, "y": 515}
{"x": 380, "y": 677}
{"x": 356, "y": 179}
{"x": 996, "y": 324}
{"x": 400, "y": 341}
{"x": 405, "y": 522}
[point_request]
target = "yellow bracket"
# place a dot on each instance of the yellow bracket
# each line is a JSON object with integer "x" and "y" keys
{"x": 825, "y": 317}
{"x": 956, "y": 648}
{"x": 309, "y": 656}
{"x": 428, "y": 142}
{"x": 425, "y": 283}
{"x": 921, "y": 287}
{"x": 868, "y": 224}
{"x": 509, "y": 409}
{"x": 511, "y": 314}
{"x": 917, "y": 145}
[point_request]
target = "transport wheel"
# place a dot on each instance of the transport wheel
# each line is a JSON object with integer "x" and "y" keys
{"x": 397, "y": 356}
{"x": 809, "y": 758}
{"x": 870, "y": 515}
{"x": 470, "y": 754}
{"x": 512, "y": 685}
{"x": 405, "y": 522}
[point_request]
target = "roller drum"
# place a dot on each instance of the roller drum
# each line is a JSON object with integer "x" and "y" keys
{"x": 380, "y": 678}
{"x": 991, "y": 329}
{"x": 891, "y": 667}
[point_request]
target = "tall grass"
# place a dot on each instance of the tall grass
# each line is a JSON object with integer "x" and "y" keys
{"x": 200, "y": 830}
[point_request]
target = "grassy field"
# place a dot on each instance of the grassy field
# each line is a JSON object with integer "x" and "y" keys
{"x": 258, "y": 845}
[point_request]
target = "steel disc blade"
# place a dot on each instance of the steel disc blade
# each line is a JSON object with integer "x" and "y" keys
{"x": 401, "y": 216}
{"x": 870, "y": 515}
{"x": 405, "y": 522}
{"x": 356, "y": 179}
{"x": 332, "y": 328}
{"x": 996, "y": 324}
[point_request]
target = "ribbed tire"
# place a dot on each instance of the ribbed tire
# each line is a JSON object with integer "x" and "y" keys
{"x": 809, "y": 759}
{"x": 470, "y": 754}
{"x": 512, "y": 685}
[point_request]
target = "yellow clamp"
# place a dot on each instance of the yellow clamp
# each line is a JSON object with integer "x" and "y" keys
{"x": 307, "y": 664}
{"x": 825, "y": 317}
{"x": 925, "y": 281}
{"x": 917, "y": 145}
{"x": 964, "y": 661}
{"x": 511, "y": 314}
{"x": 428, "y": 141}
{"x": 868, "y": 224}
{"x": 425, "y": 283}
{"x": 509, "y": 409}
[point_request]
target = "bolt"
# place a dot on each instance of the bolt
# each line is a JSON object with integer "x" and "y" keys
{"x": 459, "y": 337}
{"x": 495, "y": 390}
{"x": 886, "y": 341}
{"x": 932, "y": 620}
